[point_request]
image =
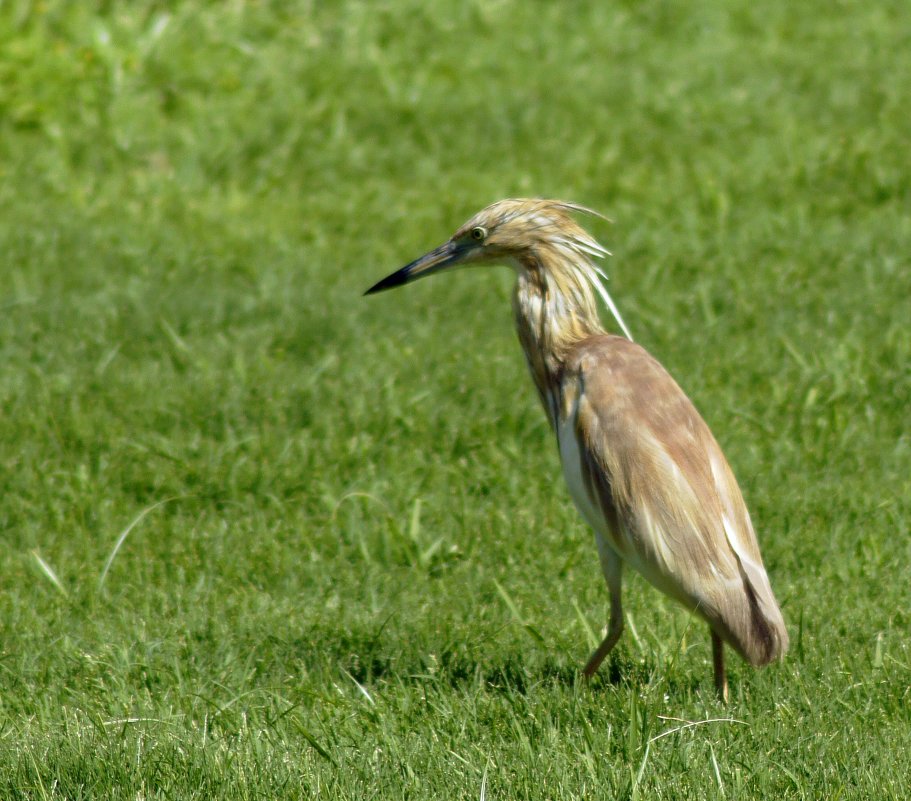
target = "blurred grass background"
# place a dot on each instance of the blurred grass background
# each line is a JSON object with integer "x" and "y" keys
{"x": 353, "y": 570}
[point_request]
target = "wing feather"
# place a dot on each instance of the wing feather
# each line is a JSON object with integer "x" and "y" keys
{"x": 651, "y": 464}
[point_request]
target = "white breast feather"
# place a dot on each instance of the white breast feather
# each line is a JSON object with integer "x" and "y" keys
{"x": 571, "y": 458}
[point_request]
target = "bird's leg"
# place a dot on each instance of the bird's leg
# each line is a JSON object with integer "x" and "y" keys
{"x": 612, "y": 568}
{"x": 721, "y": 679}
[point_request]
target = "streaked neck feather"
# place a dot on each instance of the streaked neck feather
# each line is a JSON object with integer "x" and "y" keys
{"x": 555, "y": 308}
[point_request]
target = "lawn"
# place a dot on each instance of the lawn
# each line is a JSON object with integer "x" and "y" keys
{"x": 263, "y": 537}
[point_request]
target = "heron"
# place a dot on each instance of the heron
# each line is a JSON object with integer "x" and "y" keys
{"x": 641, "y": 464}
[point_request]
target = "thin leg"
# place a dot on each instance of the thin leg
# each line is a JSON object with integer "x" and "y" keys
{"x": 613, "y": 574}
{"x": 721, "y": 679}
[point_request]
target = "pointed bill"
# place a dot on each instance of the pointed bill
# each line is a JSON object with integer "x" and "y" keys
{"x": 445, "y": 255}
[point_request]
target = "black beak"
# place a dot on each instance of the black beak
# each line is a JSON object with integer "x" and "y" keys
{"x": 444, "y": 256}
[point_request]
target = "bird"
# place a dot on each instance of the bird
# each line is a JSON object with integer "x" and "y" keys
{"x": 640, "y": 463}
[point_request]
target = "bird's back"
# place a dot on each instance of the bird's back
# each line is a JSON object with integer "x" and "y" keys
{"x": 652, "y": 480}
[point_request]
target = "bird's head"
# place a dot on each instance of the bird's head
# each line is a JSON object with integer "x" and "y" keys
{"x": 509, "y": 231}
{"x": 540, "y": 239}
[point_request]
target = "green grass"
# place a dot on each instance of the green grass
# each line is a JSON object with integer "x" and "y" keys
{"x": 358, "y": 574}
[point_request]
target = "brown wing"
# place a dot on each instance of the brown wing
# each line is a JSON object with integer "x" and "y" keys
{"x": 654, "y": 468}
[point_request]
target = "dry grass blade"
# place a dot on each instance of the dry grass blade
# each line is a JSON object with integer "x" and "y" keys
{"x": 49, "y": 572}
{"x": 689, "y": 724}
{"x": 360, "y": 687}
{"x": 125, "y": 533}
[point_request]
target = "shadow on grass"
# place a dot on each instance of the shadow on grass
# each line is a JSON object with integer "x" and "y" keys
{"x": 375, "y": 659}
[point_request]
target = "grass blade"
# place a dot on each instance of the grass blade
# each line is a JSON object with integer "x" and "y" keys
{"x": 717, "y": 771}
{"x": 313, "y": 742}
{"x": 49, "y": 572}
{"x": 125, "y": 533}
{"x": 533, "y": 632}
{"x": 583, "y": 622}
{"x": 689, "y": 724}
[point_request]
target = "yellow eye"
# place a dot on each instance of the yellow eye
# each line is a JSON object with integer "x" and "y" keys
{"x": 478, "y": 233}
